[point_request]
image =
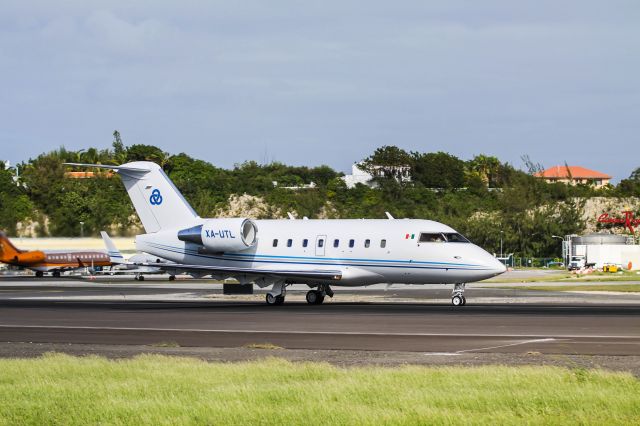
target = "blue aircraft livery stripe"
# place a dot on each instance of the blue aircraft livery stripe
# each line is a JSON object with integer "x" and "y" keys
{"x": 253, "y": 256}
{"x": 407, "y": 265}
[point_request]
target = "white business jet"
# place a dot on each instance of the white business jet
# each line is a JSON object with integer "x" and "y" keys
{"x": 278, "y": 253}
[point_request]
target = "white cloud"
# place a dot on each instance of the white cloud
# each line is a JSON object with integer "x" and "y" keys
{"x": 324, "y": 81}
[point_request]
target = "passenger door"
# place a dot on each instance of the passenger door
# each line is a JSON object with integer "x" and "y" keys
{"x": 321, "y": 242}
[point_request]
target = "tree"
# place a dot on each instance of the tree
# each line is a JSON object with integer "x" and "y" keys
{"x": 631, "y": 185}
{"x": 119, "y": 150}
{"x": 141, "y": 152}
{"x": 387, "y": 162}
{"x": 438, "y": 170}
{"x": 486, "y": 168}
{"x": 15, "y": 205}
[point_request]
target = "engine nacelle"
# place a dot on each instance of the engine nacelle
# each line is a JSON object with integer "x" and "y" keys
{"x": 218, "y": 235}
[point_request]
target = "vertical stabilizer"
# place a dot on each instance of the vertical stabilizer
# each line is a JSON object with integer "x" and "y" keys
{"x": 7, "y": 250}
{"x": 157, "y": 201}
{"x": 114, "y": 254}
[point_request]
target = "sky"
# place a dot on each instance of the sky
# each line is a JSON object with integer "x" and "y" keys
{"x": 325, "y": 82}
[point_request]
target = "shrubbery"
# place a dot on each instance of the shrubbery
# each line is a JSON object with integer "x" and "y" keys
{"x": 482, "y": 198}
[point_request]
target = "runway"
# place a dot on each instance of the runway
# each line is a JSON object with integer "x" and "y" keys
{"x": 104, "y": 315}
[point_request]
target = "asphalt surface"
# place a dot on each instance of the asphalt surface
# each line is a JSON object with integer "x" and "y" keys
{"x": 399, "y": 319}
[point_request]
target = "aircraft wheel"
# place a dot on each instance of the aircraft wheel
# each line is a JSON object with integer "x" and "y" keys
{"x": 172, "y": 277}
{"x": 56, "y": 274}
{"x": 312, "y": 297}
{"x": 39, "y": 274}
{"x": 464, "y": 300}
{"x": 457, "y": 300}
{"x": 141, "y": 278}
{"x": 274, "y": 300}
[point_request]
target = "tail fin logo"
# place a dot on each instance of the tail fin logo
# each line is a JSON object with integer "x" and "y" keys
{"x": 156, "y": 197}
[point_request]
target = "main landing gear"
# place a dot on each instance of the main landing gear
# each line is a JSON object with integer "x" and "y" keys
{"x": 277, "y": 294}
{"x": 316, "y": 297}
{"x": 457, "y": 296}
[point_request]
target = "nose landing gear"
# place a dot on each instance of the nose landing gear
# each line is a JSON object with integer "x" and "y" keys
{"x": 277, "y": 294}
{"x": 457, "y": 296}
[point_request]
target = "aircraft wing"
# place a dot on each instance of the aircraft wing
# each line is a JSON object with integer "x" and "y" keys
{"x": 332, "y": 275}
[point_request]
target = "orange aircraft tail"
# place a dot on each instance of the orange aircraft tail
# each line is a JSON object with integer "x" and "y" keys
{"x": 8, "y": 251}
{"x": 13, "y": 255}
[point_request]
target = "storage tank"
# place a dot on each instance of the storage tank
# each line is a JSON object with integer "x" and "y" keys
{"x": 598, "y": 239}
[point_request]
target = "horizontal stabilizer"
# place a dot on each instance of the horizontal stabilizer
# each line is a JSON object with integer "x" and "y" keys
{"x": 110, "y": 167}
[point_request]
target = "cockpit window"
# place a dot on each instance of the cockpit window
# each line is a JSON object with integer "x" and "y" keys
{"x": 431, "y": 238}
{"x": 442, "y": 237}
{"x": 454, "y": 237}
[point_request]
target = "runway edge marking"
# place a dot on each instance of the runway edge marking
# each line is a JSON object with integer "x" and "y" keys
{"x": 348, "y": 333}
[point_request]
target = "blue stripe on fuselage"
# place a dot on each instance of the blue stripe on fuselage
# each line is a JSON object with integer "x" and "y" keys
{"x": 406, "y": 263}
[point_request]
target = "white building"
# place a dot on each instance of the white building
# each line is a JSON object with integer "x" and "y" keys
{"x": 603, "y": 249}
{"x": 358, "y": 175}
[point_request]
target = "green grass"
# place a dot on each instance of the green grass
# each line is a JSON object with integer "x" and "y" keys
{"x": 627, "y": 288}
{"x": 59, "y": 389}
{"x": 597, "y": 276}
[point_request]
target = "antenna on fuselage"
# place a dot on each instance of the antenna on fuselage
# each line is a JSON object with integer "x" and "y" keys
{"x": 389, "y": 216}
{"x": 291, "y": 216}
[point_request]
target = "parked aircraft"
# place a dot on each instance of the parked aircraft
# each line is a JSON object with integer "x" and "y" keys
{"x": 50, "y": 261}
{"x": 319, "y": 253}
{"x": 134, "y": 264}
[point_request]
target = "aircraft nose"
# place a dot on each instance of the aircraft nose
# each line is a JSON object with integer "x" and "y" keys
{"x": 497, "y": 266}
{"x": 501, "y": 268}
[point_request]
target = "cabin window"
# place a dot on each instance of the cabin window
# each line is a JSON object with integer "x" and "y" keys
{"x": 321, "y": 242}
{"x": 305, "y": 242}
{"x": 336, "y": 243}
{"x": 352, "y": 243}
{"x": 383, "y": 243}
{"x": 367, "y": 243}
{"x": 289, "y": 242}
{"x": 275, "y": 242}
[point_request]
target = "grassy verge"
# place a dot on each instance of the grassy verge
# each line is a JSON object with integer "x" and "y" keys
{"x": 567, "y": 277}
{"x": 59, "y": 389}
{"x": 626, "y": 288}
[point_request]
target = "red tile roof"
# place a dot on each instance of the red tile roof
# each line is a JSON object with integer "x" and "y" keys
{"x": 86, "y": 175}
{"x": 576, "y": 172}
